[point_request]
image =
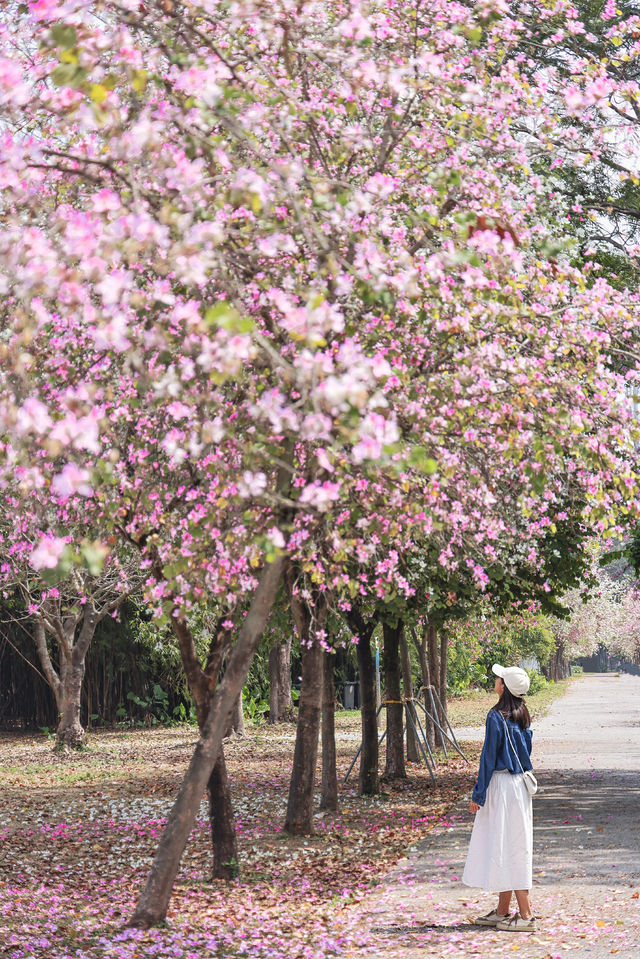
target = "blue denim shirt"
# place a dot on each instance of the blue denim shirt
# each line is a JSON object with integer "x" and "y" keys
{"x": 498, "y": 754}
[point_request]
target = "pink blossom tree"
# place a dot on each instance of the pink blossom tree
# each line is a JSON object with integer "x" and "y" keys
{"x": 605, "y": 615}
{"x": 65, "y": 583}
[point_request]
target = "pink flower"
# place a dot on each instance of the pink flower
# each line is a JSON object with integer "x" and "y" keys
{"x": 71, "y": 480}
{"x": 276, "y": 537}
{"x": 44, "y": 9}
{"x": 33, "y": 416}
{"x": 106, "y": 200}
{"x": 48, "y": 552}
{"x": 321, "y": 495}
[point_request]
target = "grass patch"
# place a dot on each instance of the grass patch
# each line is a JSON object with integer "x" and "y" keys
{"x": 471, "y": 707}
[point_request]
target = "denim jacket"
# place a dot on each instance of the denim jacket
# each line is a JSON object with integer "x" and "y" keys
{"x": 498, "y": 754}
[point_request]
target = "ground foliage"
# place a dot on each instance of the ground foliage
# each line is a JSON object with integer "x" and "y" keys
{"x": 77, "y": 833}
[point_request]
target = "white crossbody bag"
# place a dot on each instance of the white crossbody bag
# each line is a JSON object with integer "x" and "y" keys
{"x": 530, "y": 781}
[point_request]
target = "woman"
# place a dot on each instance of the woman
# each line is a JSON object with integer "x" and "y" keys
{"x": 501, "y": 848}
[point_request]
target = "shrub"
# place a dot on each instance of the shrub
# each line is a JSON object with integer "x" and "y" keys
{"x": 538, "y": 682}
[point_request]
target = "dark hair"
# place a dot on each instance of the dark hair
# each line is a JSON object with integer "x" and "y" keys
{"x": 513, "y": 707}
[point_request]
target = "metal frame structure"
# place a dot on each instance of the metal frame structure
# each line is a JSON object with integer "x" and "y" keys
{"x": 411, "y": 717}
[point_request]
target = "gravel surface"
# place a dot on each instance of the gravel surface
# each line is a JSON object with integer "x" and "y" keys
{"x": 586, "y": 848}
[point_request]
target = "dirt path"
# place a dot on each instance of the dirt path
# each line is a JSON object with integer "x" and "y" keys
{"x": 586, "y": 849}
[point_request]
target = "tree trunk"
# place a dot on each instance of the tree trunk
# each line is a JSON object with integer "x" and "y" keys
{"x": 421, "y": 647}
{"x": 223, "y": 827}
{"x": 280, "y": 702}
{"x": 558, "y": 664}
{"x": 407, "y": 685}
{"x": 434, "y": 677}
{"x": 394, "y": 767}
{"x": 368, "y": 780}
{"x": 299, "y": 816}
{"x": 236, "y": 720}
{"x": 154, "y": 899}
{"x": 444, "y": 645}
{"x": 40, "y": 639}
{"x": 70, "y": 731}
{"x": 202, "y": 683}
{"x": 329, "y": 789}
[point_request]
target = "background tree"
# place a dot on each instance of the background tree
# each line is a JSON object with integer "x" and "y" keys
{"x": 63, "y": 606}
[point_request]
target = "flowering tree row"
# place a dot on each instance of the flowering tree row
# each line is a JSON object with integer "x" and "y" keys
{"x": 278, "y": 289}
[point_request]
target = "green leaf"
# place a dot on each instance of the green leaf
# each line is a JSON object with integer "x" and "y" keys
{"x": 98, "y": 92}
{"x": 63, "y": 75}
{"x": 420, "y": 460}
{"x": 139, "y": 80}
{"x": 227, "y": 317}
{"x": 94, "y": 555}
{"x": 64, "y": 36}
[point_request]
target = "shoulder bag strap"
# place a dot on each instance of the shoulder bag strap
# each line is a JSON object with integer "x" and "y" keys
{"x": 506, "y": 726}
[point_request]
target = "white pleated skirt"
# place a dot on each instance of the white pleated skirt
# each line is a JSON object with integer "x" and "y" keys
{"x": 500, "y": 854}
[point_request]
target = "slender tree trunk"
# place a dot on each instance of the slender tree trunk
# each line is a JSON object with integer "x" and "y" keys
{"x": 434, "y": 660}
{"x": 154, "y": 899}
{"x": 368, "y": 779}
{"x": 202, "y": 682}
{"x": 223, "y": 827}
{"x": 280, "y": 702}
{"x": 299, "y": 816}
{"x": 444, "y": 645}
{"x": 407, "y": 683}
{"x": 52, "y": 677}
{"x": 395, "y": 767}
{"x": 421, "y": 647}
{"x": 329, "y": 789}
{"x": 236, "y": 721}
{"x": 434, "y": 677}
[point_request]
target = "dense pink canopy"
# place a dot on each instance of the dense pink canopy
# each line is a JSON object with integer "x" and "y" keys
{"x": 243, "y": 237}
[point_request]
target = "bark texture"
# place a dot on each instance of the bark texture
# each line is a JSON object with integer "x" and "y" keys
{"x": 368, "y": 776}
{"x": 73, "y": 635}
{"x": 558, "y": 667}
{"x": 202, "y": 682}
{"x": 222, "y": 822}
{"x": 395, "y": 765}
{"x": 154, "y": 899}
{"x": 308, "y": 620}
{"x": 236, "y": 725}
{"x": 442, "y": 688}
{"x": 280, "y": 701}
{"x": 407, "y": 685}
{"x": 421, "y": 643}
{"x": 329, "y": 788}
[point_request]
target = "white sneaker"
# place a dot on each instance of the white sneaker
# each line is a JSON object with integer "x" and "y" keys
{"x": 516, "y": 923}
{"x": 491, "y": 919}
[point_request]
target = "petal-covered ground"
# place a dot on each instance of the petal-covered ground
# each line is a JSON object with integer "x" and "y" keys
{"x": 77, "y": 834}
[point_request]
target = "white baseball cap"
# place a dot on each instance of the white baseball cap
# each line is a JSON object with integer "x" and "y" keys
{"x": 514, "y": 678}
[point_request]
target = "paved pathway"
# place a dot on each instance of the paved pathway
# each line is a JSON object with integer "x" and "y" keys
{"x": 586, "y": 849}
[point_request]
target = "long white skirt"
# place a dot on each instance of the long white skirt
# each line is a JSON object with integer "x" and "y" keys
{"x": 500, "y": 854}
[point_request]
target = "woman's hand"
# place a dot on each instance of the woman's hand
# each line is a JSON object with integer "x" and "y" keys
{"x": 473, "y": 806}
